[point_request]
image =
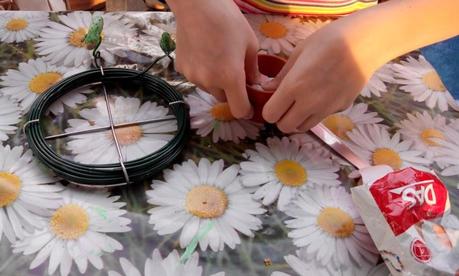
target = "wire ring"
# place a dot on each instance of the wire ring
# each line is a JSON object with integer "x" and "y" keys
{"x": 107, "y": 174}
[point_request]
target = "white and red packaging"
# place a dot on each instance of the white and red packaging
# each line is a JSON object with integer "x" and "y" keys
{"x": 407, "y": 213}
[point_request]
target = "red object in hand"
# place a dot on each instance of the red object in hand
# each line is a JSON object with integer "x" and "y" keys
{"x": 409, "y": 196}
{"x": 270, "y": 66}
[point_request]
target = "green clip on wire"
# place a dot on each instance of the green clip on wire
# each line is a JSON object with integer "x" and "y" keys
{"x": 194, "y": 242}
{"x": 93, "y": 37}
{"x": 167, "y": 44}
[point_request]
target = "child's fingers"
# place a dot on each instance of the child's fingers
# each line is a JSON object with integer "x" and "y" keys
{"x": 311, "y": 122}
{"x": 236, "y": 94}
{"x": 251, "y": 65}
{"x": 293, "y": 118}
{"x": 218, "y": 93}
{"x": 274, "y": 83}
{"x": 279, "y": 103}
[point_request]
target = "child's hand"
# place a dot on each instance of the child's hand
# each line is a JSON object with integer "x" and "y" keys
{"x": 322, "y": 76}
{"x": 327, "y": 72}
{"x": 217, "y": 50}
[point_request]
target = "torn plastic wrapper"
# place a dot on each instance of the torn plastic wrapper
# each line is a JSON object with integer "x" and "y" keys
{"x": 407, "y": 214}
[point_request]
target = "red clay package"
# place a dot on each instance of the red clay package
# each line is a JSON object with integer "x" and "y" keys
{"x": 407, "y": 213}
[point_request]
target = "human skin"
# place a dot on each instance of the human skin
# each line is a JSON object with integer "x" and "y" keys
{"x": 325, "y": 73}
{"x": 216, "y": 50}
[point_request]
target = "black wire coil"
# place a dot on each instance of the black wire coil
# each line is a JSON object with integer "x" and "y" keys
{"x": 107, "y": 174}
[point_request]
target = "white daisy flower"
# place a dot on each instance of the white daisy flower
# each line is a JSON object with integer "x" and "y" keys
{"x": 282, "y": 169}
{"x": 9, "y": 117}
{"x": 310, "y": 142}
{"x": 135, "y": 141}
{"x": 25, "y": 195}
{"x": 63, "y": 43}
{"x": 195, "y": 196}
{"x": 169, "y": 266}
{"x": 448, "y": 151}
{"x": 420, "y": 79}
{"x": 77, "y": 232}
{"x": 374, "y": 144}
{"x": 356, "y": 115}
{"x": 278, "y": 33}
{"x": 377, "y": 83}
{"x": 34, "y": 78}
{"x": 19, "y": 26}
{"x": 420, "y": 128}
{"x": 209, "y": 115}
{"x": 327, "y": 224}
{"x": 305, "y": 264}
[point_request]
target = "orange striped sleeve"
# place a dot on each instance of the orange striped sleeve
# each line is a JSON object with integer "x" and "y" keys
{"x": 305, "y": 7}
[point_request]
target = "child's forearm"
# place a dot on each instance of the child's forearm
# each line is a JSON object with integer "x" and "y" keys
{"x": 396, "y": 27}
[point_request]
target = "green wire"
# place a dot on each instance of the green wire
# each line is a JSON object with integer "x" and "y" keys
{"x": 107, "y": 174}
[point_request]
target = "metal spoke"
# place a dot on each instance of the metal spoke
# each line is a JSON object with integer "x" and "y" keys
{"x": 112, "y": 128}
{"x": 97, "y": 129}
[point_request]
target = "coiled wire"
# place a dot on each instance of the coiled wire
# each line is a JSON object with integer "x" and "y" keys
{"x": 107, "y": 174}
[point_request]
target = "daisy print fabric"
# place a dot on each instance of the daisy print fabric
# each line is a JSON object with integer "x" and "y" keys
{"x": 27, "y": 193}
{"x": 9, "y": 117}
{"x": 241, "y": 198}
{"x": 448, "y": 150}
{"x": 377, "y": 85}
{"x": 33, "y": 78}
{"x": 136, "y": 141}
{"x": 20, "y": 26}
{"x": 355, "y": 115}
{"x": 282, "y": 168}
{"x": 208, "y": 115}
{"x": 194, "y": 195}
{"x": 77, "y": 232}
{"x": 375, "y": 144}
{"x": 279, "y": 34}
{"x": 326, "y": 223}
{"x": 421, "y": 129}
{"x": 304, "y": 264}
{"x": 62, "y": 42}
{"x": 417, "y": 77}
{"x": 169, "y": 266}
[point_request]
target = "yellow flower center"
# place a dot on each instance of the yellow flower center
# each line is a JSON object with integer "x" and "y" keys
{"x": 76, "y": 38}
{"x": 290, "y": 173}
{"x": 69, "y": 222}
{"x": 206, "y": 201}
{"x": 10, "y": 187}
{"x": 128, "y": 135}
{"x": 16, "y": 24}
{"x": 274, "y": 30}
{"x": 385, "y": 156}
{"x": 222, "y": 112}
{"x": 339, "y": 124}
{"x": 433, "y": 82}
{"x": 336, "y": 222}
{"x": 41, "y": 82}
{"x": 429, "y": 133}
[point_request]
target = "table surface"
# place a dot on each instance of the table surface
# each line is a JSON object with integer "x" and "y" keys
{"x": 248, "y": 258}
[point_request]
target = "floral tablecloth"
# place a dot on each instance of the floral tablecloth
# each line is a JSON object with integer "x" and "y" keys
{"x": 283, "y": 208}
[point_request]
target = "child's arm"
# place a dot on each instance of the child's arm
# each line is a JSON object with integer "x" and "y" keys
{"x": 326, "y": 73}
{"x": 216, "y": 49}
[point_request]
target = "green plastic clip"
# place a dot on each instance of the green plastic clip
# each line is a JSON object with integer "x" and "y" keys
{"x": 93, "y": 37}
{"x": 166, "y": 43}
